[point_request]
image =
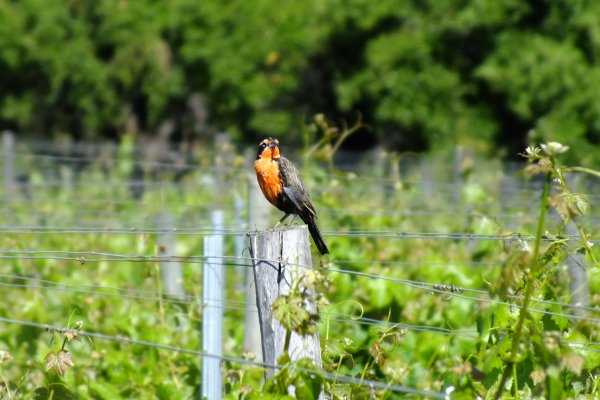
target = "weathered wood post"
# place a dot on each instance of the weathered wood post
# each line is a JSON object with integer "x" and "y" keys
{"x": 457, "y": 177}
{"x": 8, "y": 151}
{"x": 427, "y": 187}
{"x": 579, "y": 284}
{"x": 279, "y": 258}
{"x": 8, "y": 170}
{"x": 170, "y": 272}
{"x": 258, "y": 220}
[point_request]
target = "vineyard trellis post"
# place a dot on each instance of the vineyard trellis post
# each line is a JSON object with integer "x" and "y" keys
{"x": 258, "y": 220}
{"x": 459, "y": 156}
{"x": 239, "y": 224}
{"x": 578, "y": 285}
{"x": 213, "y": 285}
{"x": 427, "y": 186}
{"x": 279, "y": 257}
{"x": 170, "y": 272}
{"x": 8, "y": 151}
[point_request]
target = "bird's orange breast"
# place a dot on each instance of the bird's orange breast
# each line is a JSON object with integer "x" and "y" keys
{"x": 267, "y": 174}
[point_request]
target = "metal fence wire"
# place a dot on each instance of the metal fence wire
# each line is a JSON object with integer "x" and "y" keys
{"x": 70, "y": 212}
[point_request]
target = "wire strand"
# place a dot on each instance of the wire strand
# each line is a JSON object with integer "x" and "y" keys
{"x": 325, "y": 374}
{"x": 354, "y": 232}
{"x": 439, "y": 288}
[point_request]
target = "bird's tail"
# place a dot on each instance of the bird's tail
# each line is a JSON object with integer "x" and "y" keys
{"x": 316, "y": 235}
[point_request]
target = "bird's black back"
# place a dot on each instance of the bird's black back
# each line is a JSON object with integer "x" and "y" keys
{"x": 295, "y": 198}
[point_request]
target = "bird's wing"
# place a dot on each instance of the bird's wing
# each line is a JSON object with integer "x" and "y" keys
{"x": 293, "y": 195}
{"x": 294, "y": 187}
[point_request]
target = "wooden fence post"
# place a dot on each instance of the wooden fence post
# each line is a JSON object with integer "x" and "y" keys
{"x": 457, "y": 176}
{"x": 170, "y": 271}
{"x": 278, "y": 257}
{"x": 8, "y": 170}
{"x": 427, "y": 186}
{"x": 258, "y": 219}
{"x": 578, "y": 285}
{"x": 8, "y": 151}
{"x": 213, "y": 285}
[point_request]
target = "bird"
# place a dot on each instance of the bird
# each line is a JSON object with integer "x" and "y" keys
{"x": 282, "y": 186}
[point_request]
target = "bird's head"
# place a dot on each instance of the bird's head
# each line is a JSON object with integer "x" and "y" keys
{"x": 268, "y": 149}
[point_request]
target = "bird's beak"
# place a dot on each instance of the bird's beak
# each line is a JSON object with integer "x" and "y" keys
{"x": 273, "y": 144}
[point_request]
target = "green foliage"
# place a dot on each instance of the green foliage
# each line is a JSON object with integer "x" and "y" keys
{"x": 550, "y": 82}
{"x": 424, "y": 76}
{"x": 536, "y": 360}
{"x": 452, "y": 314}
{"x": 291, "y": 312}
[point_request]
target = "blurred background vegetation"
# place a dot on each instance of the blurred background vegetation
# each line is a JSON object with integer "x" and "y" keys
{"x": 124, "y": 111}
{"x": 423, "y": 74}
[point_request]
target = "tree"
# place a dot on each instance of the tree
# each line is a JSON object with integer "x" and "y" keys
{"x": 424, "y": 75}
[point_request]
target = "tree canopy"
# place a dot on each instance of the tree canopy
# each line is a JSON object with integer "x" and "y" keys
{"x": 423, "y": 74}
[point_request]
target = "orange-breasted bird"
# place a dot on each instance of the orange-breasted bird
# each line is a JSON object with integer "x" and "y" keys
{"x": 281, "y": 184}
